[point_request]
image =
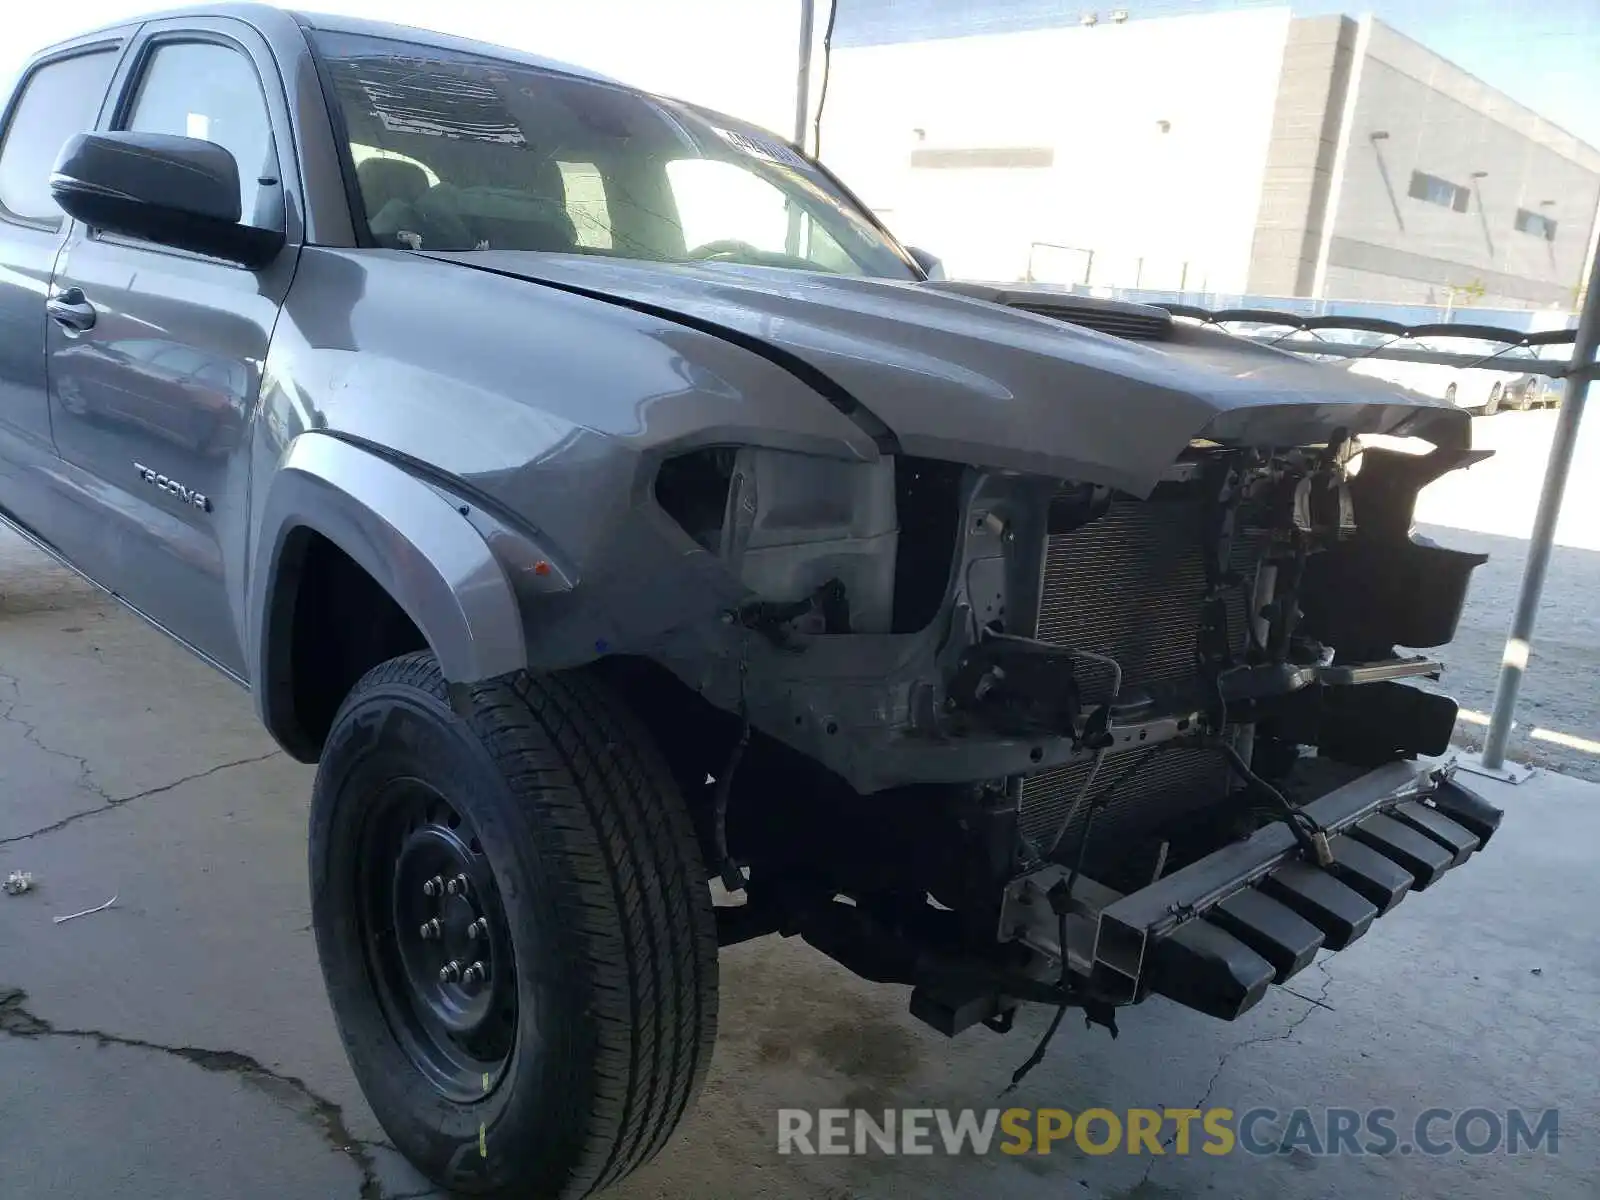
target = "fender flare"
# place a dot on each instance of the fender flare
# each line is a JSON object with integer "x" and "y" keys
{"x": 414, "y": 542}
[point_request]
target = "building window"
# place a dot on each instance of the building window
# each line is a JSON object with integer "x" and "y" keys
{"x": 1439, "y": 191}
{"x": 986, "y": 156}
{"x": 1537, "y": 224}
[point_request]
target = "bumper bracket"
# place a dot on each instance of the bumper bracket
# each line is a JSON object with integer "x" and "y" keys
{"x": 1215, "y": 934}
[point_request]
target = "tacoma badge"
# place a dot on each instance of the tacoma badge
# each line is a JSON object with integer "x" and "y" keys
{"x": 173, "y": 487}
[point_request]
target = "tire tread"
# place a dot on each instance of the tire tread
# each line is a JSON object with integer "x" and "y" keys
{"x": 631, "y": 884}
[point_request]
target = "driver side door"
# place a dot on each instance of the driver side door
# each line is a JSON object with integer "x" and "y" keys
{"x": 155, "y": 354}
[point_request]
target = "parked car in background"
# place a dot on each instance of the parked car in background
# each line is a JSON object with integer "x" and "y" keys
{"x": 1427, "y": 379}
{"x": 1479, "y": 390}
{"x": 1534, "y": 391}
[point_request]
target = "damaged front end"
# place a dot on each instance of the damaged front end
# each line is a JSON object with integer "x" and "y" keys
{"x": 1004, "y": 738}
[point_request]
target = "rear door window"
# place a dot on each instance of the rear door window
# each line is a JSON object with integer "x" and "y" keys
{"x": 586, "y": 204}
{"x": 57, "y": 101}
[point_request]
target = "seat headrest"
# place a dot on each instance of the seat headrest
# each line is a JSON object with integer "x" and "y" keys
{"x": 547, "y": 182}
{"x": 386, "y": 179}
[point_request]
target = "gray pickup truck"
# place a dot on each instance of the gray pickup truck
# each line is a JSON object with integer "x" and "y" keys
{"x": 618, "y": 514}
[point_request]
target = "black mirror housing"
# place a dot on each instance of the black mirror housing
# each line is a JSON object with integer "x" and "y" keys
{"x": 177, "y": 191}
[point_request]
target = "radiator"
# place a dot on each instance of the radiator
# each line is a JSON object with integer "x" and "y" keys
{"x": 1131, "y": 585}
{"x": 1158, "y": 785}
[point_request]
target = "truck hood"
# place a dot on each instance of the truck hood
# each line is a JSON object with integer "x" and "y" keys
{"x": 958, "y": 372}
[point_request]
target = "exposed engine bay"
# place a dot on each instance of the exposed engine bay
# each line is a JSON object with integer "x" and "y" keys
{"x": 1006, "y": 738}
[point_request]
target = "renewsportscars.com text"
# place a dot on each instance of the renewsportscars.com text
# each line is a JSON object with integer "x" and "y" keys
{"x": 1179, "y": 1131}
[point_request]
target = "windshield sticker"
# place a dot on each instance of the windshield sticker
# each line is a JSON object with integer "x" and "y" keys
{"x": 763, "y": 148}
{"x": 428, "y": 98}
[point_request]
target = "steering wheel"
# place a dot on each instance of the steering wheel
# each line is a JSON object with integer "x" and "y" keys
{"x": 725, "y": 248}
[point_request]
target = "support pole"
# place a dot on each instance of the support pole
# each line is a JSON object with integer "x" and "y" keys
{"x": 802, "y": 93}
{"x": 1514, "y": 663}
{"x": 802, "y": 111}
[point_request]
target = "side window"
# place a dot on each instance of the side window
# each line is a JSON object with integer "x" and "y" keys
{"x": 208, "y": 91}
{"x": 58, "y": 100}
{"x": 179, "y": 360}
{"x": 586, "y": 204}
{"x": 227, "y": 376}
{"x": 718, "y": 202}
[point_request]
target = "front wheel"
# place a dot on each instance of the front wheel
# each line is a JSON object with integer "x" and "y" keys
{"x": 514, "y": 927}
{"x": 1493, "y": 404}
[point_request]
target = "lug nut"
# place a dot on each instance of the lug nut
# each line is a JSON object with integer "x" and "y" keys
{"x": 457, "y": 886}
{"x": 430, "y": 929}
{"x": 450, "y": 972}
{"x": 474, "y": 974}
{"x": 434, "y": 887}
{"x": 478, "y": 929}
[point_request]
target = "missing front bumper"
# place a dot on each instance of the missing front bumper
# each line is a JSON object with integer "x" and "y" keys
{"x": 1216, "y": 934}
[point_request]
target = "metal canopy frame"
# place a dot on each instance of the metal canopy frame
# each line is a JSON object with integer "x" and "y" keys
{"x": 1304, "y": 335}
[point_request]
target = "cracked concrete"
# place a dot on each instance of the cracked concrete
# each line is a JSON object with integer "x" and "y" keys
{"x": 178, "y": 1046}
{"x": 1312, "y": 1004}
{"x": 17, "y": 1021}
{"x": 114, "y": 801}
{"x": 30, "y": 734}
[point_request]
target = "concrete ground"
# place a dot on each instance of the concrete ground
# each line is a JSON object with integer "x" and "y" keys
{"x": 1489, "y": 509}
{"x": 178, "y": 1045}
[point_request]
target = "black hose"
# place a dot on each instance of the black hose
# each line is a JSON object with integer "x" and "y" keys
{"x": 1307, "y": 830}
{"x": 732, "y": 876}
{"x": 1063, "y": 906}
{"x": 1043, "y": 1047}
{"x": 827, "y": 63}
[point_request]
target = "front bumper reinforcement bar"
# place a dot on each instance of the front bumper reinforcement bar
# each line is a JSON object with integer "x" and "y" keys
{"x": 1214, "y": 935}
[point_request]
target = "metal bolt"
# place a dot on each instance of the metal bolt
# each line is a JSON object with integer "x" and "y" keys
{"x": 474, "y": 974}
{"x": 457, "y": 886}
{"x": 478, "y": 929}
{"x": 430, "y": 929}
{"x": 450, "y": 972}
{"x": 434, "y": 887}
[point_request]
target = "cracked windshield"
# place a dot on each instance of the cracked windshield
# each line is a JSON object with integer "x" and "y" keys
{"x": 456, "y": 152}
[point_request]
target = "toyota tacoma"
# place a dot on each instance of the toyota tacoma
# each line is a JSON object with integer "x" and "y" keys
{"x": 617, "y": 514}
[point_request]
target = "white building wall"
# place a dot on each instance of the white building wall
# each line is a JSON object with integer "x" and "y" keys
{"x": 1415, "y": 111}
{"x": 1159, "y": 205}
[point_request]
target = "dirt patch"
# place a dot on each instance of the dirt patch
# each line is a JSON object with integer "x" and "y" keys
{"x": 868, "y": 1050}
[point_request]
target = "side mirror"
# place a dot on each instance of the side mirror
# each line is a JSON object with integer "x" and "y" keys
{"x": 931, "y": 266}
{"x": 177, "y": 191}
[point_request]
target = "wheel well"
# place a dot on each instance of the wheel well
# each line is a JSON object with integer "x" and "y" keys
{"x": 692, "y": 735}
{"x": 776, "y": 795}
{"x": 333, "y": 623}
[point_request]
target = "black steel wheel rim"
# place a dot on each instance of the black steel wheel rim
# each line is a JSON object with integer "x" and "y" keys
{"x": 437, "y": 945}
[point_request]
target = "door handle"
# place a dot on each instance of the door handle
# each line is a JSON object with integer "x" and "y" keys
{"x": 71, "y": 310}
